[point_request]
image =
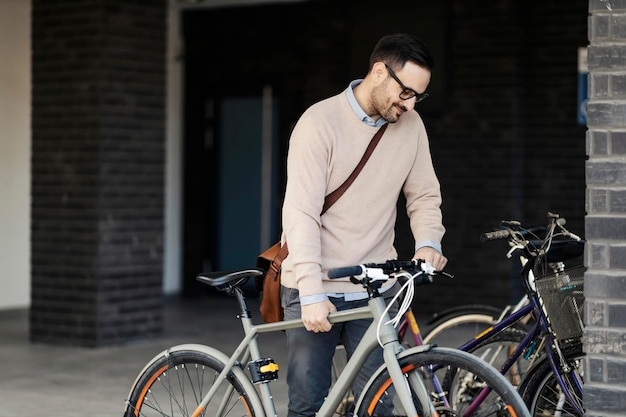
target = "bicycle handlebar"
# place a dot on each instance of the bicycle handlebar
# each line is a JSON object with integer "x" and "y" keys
{"x": 346, "y": 271}
{"x": 386, "y": 268}
{"x": 510, "y": 226}
{"x": 534, "y": 246}
{"x": 376, "y": 270}
{"x": 495, "y": 235}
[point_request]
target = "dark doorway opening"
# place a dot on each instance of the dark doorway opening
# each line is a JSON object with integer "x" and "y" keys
{"x": 303, "y": 52}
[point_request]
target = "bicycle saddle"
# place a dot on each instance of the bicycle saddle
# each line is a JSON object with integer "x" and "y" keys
{"x": 225, "y": 279}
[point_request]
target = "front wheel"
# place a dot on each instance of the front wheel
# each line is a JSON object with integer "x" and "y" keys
{"x": 545, "y": 396}
{"x": 175, "y": 382}
{"x": 454, "y": 381}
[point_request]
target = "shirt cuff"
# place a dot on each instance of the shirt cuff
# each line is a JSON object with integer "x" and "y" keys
{"x": 312, "y": 299}
{"x": 431, "y": 244}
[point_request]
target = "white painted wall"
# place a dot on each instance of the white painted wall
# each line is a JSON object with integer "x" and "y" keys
{"x": 172, "y": 280}
{"x": 15, "y": 144}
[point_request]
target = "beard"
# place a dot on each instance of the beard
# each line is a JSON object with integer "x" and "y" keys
{"x": 387, "y": 109}
{"x": 391, "y": 114}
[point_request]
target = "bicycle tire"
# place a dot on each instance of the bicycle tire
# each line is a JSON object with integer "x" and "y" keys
{"x": 461, "y": 325}
{"x": 460, "y": 310}
{"x": 378, "y": 398}
{"x": 175, "y": 381}
{"x": 540, "y": 389}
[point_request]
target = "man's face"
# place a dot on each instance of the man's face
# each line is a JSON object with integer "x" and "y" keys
{"x": 387, "y": 98}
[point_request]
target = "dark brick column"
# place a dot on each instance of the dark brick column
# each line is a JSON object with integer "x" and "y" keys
{"x": 605, "y": 281}
{"x": 98, "y": 100}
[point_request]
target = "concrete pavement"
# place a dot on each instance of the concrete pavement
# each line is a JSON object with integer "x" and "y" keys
{"x": 53, "y": 381}
{"x": 56, "y": 381}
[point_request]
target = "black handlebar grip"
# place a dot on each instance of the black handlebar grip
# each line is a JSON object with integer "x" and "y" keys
{"x": 347, "y": 271}
{"x": 496, "y": 235}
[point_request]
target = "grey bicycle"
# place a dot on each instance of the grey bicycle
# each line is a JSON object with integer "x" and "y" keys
{"x": 198, "y": 380}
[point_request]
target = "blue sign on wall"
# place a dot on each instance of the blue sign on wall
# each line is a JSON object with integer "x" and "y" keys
{"x": 583, "y": 79}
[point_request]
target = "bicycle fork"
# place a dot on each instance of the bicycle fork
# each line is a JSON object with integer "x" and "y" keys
{"x": 399, "y": 381}
{"x": 560, "y": 369}
{"x": 391, "y": 349}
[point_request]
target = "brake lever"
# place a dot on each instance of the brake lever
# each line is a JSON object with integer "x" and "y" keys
{"x": 517, "y": 246}
{"x": 430, "y": 270}
{"x": 445, "y": 274}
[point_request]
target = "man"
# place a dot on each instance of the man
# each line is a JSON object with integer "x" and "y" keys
{"x": 326, "y": 144}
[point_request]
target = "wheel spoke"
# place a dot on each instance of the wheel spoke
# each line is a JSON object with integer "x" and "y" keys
{"x": 176, "y": 384}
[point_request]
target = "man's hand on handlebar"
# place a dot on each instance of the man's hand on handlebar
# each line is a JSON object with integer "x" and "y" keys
{"x": 431, "y": 256}
{"x": 315, "y": 316}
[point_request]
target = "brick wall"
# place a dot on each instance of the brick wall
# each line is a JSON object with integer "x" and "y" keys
{"x": 605, "y": 280}
{"x": 504, "y": 133}
{"x": 98, "y": 170}
{"x": 507, "y": 144}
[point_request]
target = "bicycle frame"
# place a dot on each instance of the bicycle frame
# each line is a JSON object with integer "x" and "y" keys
{"x": 249, "y": 349}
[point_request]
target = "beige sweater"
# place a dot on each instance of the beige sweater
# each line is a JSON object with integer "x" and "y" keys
{"x": 327, "y": 143}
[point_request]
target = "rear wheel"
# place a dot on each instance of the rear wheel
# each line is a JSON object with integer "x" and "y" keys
{"x": 454, "y": 327}
{"x": 453, "y": 380}
{"x": 175, "y": 383}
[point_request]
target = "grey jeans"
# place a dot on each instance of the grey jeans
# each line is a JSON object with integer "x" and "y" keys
{"x": 310, "y": 354}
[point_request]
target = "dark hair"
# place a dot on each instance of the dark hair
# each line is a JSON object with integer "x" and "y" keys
{"x": 396, "y": 49}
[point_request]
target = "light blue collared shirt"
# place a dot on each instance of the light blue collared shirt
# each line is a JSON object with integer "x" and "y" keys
{"x": 356, "y": 108}
{"x": 360, "y": 113}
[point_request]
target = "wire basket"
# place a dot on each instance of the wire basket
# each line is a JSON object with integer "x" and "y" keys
{"x": 563, "y": 298}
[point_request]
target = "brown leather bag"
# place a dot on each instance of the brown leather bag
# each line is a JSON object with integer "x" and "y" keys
{"x": 271, "y": 259}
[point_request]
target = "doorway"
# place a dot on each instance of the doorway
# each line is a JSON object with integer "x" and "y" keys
{"x": 231, "y": 185}
{"x": 246, "y": 181}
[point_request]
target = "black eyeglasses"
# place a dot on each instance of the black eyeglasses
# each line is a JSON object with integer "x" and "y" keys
{"x": 406, "y": 93}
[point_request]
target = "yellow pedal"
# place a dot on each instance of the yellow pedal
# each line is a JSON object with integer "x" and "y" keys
{"x": 272, "y": 367}
{"x": 263, "y": 370}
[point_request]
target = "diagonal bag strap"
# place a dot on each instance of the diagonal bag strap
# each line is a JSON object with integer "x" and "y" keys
{"x": 334, "y": 196}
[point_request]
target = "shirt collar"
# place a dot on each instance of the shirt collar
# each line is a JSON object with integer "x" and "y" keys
{"x": 356, "y": 108}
